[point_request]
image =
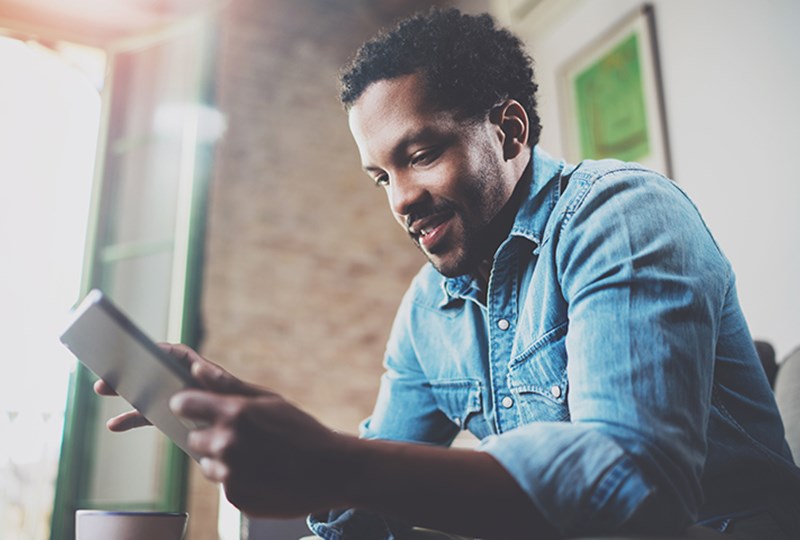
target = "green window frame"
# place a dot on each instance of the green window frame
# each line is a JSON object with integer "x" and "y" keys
{"x": 144, "y": 249}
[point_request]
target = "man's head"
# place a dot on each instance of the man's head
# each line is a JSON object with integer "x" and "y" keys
{"x": 448, "y": 150}
{"x": 467, "y": 63}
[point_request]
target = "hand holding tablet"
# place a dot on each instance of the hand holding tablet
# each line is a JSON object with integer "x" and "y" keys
{"x": 268, "y": 454}
{"x": 131, "y": 365}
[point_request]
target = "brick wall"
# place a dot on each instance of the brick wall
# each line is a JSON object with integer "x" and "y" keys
{"x": 305, "y": 266}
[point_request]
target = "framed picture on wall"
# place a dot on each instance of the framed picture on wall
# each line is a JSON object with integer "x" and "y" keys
{"x": 612, "y": 97}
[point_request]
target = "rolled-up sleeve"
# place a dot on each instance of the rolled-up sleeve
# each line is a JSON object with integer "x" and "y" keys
{"x": 645, "y": 285}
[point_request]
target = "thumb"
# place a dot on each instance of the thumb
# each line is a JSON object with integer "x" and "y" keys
{"x": 207, "y": 373}
{"x": 216, "y": 379}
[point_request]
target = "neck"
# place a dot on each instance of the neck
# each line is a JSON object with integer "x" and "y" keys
{"x": 483, "y": 271}
{"x": 500, "y": 227}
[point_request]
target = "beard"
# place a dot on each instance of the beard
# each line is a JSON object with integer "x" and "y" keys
{"x": 474, "y": 234}
{"x": 455, "y": 258}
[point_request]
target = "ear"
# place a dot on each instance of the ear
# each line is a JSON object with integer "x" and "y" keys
{"x": 512, "y": 123}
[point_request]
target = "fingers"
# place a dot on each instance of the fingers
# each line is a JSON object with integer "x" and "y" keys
{"x": 126, "y": 421}
{"x": 122, "y": 422}
{"x": 209, "y": 374}
{"x": 198, "y": 405}
{"x": 214, "y": 470}
{"x": 102, "y": 388}
{"x": 216, "y": 442}
{"x": 215, "y": 378}
{"x": 182, "y": 353}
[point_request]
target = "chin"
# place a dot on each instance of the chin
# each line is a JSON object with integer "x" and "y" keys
{"x": 447, "y": 271}
{"x": 453, "y": 259}
{"x": 451, "y": 267}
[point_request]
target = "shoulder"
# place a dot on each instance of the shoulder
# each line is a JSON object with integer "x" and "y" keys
{"x": 631, "y": 215}
{"x": 607, "y": 177}
{"x": 609, "y": 190}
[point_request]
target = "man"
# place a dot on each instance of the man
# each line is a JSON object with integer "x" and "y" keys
{"x": 579, "y": 320}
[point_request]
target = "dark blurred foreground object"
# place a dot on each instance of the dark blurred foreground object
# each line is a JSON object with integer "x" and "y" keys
{"x": 767, "y": 355}
{"x": 784, "y": 378}
{"x": 787, "y": 394}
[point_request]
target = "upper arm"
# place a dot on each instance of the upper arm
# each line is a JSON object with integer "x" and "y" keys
{"x": 406, "y": 408}
{"x": 645, "y": 284}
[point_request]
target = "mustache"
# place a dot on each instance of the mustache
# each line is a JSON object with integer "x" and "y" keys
{"x": 424, "y": 210}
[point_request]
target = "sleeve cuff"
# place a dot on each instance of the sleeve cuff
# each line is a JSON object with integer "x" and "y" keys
{"x": 580, "y": 479}
{"x": 354, "y": 524}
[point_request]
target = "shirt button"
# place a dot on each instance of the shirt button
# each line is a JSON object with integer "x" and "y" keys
{"x": 503, "y": 324}
{"x": 555, "y": 390}
{"x": 507, "y": 402}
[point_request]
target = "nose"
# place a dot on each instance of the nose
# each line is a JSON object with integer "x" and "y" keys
{"x": 405, "y": 193}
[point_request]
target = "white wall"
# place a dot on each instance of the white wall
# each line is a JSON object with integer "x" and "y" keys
{"x": 731, "y": 72}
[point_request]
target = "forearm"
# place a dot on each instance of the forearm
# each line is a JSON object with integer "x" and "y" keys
{"x": 459, "y": 491}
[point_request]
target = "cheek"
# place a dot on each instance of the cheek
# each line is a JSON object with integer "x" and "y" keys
{"x": 400, "y": 219}
{"x": 450, "y": 180}
{"x": 484, "y": 195}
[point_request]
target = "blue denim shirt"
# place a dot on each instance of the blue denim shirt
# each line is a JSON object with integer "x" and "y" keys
{"x": 610, "y": 369}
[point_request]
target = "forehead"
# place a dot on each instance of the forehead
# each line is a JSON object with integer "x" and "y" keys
{"x": 390, "y": 111}
{"x": 402, "y": 91}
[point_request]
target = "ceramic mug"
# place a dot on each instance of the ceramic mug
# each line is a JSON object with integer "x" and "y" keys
{"x": 107, "y": 525}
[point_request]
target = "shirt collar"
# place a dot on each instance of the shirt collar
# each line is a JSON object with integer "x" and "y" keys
{"x": 543, "y": 194}
{"x": 532, "y": 216}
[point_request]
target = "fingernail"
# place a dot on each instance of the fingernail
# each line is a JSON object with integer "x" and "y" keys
{"x": 175, "y": 403}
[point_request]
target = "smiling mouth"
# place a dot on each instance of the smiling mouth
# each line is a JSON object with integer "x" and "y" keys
{"x": 429, "y": 230}
{"x": 424, "y": 226}
{"x": 425, "y": 231}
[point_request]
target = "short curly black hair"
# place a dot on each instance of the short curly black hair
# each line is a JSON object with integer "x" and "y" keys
{"x": 469, "y": 64}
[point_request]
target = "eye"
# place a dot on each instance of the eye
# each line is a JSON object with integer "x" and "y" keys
{"x": 425, "y": 156}
{"x": 381, "y": 180}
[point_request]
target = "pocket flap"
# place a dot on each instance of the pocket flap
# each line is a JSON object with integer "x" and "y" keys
{"x": 542, "y": 368}
{"x": 458, "y": 398}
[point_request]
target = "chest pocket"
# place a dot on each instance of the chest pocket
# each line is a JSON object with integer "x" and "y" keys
{"x": 459, "y": 399}
{"x": 538, "y": 379}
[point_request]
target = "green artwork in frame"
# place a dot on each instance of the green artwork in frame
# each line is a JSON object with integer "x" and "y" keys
{"x": 611, "y": 98}
{"x": 610, "y": 104}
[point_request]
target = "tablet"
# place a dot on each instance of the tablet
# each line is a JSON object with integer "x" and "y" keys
{"x": 117, "y": 351}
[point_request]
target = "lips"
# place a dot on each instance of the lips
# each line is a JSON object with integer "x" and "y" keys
{"x": 428, "y": 231}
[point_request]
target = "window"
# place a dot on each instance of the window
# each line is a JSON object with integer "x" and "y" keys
{"x": 145, "y": 252}
{"x": 51, "y": 112}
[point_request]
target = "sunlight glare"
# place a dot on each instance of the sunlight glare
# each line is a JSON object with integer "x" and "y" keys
{"x": 50, "y": 116}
